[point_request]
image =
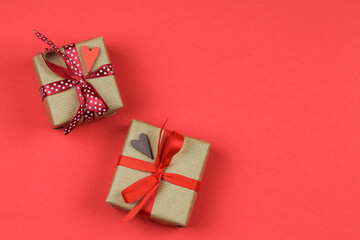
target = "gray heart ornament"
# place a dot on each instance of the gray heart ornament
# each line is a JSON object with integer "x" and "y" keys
{"x": 142, "y": 145}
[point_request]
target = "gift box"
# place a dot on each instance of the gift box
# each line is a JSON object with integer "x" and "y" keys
{"x": 62, "y": 107}
{"x": 159, "y": 177}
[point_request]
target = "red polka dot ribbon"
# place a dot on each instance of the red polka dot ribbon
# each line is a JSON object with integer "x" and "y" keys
{"x": 90, "y": 100}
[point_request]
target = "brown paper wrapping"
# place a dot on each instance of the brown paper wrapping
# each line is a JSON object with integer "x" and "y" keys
{"x": 173, "y": 204}
{"x": 62, "y": 107}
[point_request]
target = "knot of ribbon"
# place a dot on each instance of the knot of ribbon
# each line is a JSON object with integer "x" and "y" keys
{"x": 90, "y": 100}
{"x": 145, "y": 189}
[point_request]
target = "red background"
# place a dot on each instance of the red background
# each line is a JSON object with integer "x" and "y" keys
{"x": 272, "y": 85}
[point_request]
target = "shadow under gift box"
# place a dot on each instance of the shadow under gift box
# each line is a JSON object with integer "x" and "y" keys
{"x": 62, "y": 107}
{"x": 173, "y": 204}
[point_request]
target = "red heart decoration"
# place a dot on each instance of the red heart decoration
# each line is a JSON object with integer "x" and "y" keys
{"x": 89, "y": 56}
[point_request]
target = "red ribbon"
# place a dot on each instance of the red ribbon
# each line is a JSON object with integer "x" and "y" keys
{"x": 145, "y": 189}
{"x": 90, "y": 100}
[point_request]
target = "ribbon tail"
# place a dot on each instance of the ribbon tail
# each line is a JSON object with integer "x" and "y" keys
{"x": 75, "y": 120}
{"x": 46, "y": 40}
{"x": 140, "y": 204}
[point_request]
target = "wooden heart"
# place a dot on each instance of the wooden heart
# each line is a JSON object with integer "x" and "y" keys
{"x": 143, "y": 145}
{"x": 89, "y": 56}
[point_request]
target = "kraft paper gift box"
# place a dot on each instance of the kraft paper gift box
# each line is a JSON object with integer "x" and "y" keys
{"x": 62, "y": 107}
{"x": 173, "y": 204}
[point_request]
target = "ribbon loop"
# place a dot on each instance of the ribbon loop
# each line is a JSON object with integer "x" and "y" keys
{"x": 139, "y": 189}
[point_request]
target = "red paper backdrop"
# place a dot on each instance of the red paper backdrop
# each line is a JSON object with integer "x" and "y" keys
{"x": 272, "y": 85}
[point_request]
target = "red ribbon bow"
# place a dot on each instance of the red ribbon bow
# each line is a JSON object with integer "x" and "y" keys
{"x": 90, "y": 100}
{"x": 145, "y": 189}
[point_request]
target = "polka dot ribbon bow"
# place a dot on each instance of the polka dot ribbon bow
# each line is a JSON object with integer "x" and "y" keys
{"x": 90, "y": 100}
